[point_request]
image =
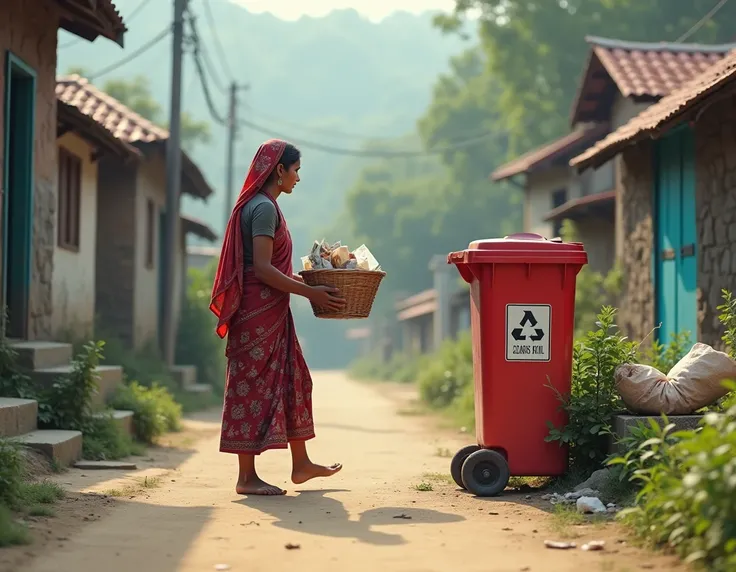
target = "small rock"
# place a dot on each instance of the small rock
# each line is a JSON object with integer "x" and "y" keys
{"x": 547, "y": 497}
{"x": 582, "y": 493}
{"x": 594, "y": 545}
{"x": 291, "y": 546}
{"x": 610, "y": 505}
{"x": 507, "y": 529}
{"x": 559, "y": 545}
{"x": 596, "y": 481}
{"x": 403, "y": 516}
{"x": 528, "y": 497}
{"x": 611, "y": 510}
{"x": 587, "y": 505}
{"x": 222, "y": 567}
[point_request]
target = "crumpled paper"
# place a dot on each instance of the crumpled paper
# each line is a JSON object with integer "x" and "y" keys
{"x": 324, "y": 256}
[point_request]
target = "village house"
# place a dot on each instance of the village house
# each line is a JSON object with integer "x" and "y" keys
{"x": 28, "y": 42}
{"x": 620, "y": 79}
{"x": 678, "y": 204}
{"x": 130, "y": 207}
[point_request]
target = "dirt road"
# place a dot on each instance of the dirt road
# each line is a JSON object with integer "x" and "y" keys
{"x": 369, "y": 517}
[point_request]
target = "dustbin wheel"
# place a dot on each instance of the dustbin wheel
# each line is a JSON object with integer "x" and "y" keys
{"x": 456, "y": 466}
{"x": 485, "y": 473}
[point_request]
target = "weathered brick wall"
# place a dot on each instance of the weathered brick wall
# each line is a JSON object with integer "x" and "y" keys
{"x": 116, "y": 252}
{"x": 715, "y": 140}
{"x": 29, "y": 30}
{"x": 636, "y": 309}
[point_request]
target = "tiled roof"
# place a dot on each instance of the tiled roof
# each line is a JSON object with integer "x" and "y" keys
{"x": 198, "y": 228}
{"x": 560, "y": 149}
{"x": 596, "y": 204}
{"x": 89, "y": 20}
{"x": 126, "y": 125}
{"x": 663, "y": 114}
{"x": 638, "y": 70}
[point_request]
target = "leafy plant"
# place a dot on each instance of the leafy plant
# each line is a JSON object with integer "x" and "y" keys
{"x": 155, "y": 411}
{"x": 10, "y": 470}
{"x": 593, "y": 399}
{"x": 445, "y": 377}
{"x": 13, "y": 381}
{"x": 687, "y": 500}
{"x": 67, "y": 404}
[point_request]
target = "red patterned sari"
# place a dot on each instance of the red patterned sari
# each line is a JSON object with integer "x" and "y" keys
{"x": 268, "y": 396}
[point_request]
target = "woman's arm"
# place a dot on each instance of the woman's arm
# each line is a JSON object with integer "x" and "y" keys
{"x": 323, "y": 296}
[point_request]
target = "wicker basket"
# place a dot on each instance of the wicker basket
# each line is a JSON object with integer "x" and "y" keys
{"x": 358, "y": 287}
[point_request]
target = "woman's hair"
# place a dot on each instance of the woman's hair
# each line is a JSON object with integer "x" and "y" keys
{"x": 290, "y": 156}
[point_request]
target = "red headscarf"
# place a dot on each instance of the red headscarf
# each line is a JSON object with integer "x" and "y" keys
{"x": 228, "y": 286}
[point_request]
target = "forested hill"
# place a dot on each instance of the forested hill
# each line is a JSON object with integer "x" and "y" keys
{"x": 333, "y": 80}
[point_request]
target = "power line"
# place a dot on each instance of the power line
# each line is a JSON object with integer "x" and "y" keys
{"x": 218, "y": 45}
{"x": 387, "y": 154}
{"x": 196, "y": 53}
{"x": 130, "y": 57}
{"x": 700, "y": 23}
{"x": 133, "y": 14}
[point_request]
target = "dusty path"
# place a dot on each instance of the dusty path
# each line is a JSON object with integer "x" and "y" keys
{"x": 194, "y": 521}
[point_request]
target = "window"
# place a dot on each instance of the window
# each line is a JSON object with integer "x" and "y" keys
{"x": 150, "y": 232}
{"x": 70, "y": 193}
{"x": 559, "y": 198}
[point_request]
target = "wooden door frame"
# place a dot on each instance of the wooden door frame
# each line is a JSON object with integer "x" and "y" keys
{"x": 15, "y": 65}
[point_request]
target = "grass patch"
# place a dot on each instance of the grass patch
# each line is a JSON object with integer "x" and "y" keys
{"x": 424, "y": 487}
{"x": 437, "y": 478}
{"x": 528, "y": 482}
{"x": 565, "y": 519}
{"x": 44, "y": 492}
{"x": 41, "y": 510}
{"x": 12, "y": 533}
{"x": 137, "y": 486}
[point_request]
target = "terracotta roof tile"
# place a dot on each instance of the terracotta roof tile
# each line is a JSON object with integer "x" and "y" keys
{"x": 638, "y": 70}
{"x": 660, "y": 115}
{"x": 562, "y": 148}
{"x": 124, "y": 124}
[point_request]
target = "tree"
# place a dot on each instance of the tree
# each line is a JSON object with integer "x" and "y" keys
{"x": 136, "y": 94}
{"x": 536, "y": 49}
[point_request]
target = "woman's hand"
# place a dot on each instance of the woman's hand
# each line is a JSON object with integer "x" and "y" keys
{"x": 326, "y": 297}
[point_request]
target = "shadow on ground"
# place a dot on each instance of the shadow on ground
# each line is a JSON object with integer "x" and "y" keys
{"x": 313, "y": 512}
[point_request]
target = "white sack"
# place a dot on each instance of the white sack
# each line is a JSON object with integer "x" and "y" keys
{"x": 694, "y": 382}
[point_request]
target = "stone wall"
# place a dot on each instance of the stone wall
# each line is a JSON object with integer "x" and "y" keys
{"x": 116, "y": 252}
{"x": 29, "y": 30}
{"x": 636, "y": 309}
{"x": 715, "y": 140}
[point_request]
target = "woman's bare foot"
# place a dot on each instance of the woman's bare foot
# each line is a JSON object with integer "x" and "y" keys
{"x": 310, "y": 471}
{"x": 256, "y": 486}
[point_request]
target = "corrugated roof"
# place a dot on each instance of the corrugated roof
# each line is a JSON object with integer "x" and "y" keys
{"x": 666, "y": 112}
{"x": 640, "y": 70}
{"x": 126, "y": 125}
{"x": 560, "y": 149}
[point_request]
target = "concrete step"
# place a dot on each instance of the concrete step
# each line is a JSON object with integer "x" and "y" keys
{"x": 199, "y": 388}
{"x": 124, "y": 419}
{"x": 110, "y": 378}
{"x": 63, "y": 447}
{"x": 184, "y": 375}
{"x": 623, "y": 424}
{"x": 17, "y": 416}
{"x": 40, "y": 355}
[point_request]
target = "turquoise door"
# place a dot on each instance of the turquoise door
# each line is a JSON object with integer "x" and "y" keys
{"x": 676, "y": 236}
{"x": 17, "y": 198}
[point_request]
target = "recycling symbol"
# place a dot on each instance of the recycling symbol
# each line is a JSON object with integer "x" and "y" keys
{"x": 528, "y": 319}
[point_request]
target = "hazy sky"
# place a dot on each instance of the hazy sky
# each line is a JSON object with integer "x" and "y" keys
{"x": 373, "y": 9}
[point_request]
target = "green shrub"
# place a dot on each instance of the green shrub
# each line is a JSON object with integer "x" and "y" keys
{"x": 196, "y": 342}
{"x": 10, "y": 470}
{"x": 444, "y": 378}
{"x": 154, "y": 409}
{"x": 67, "y": 403}
{"x": 593, "y": 400}
{"x": 686, "y": 501}
{"x": 12, "y": 533}
{"x": 665, "y": 356}
{"x": 105, "y": 440}
{"x": 13, "y": 381}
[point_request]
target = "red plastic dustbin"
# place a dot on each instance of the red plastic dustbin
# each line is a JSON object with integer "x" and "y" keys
{"x": 522, "y": 314}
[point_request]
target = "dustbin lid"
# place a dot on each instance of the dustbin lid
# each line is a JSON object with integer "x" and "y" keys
{"x": 525, "y": 248}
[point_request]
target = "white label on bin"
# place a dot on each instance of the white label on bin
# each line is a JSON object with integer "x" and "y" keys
{"x": 528, "y": 332}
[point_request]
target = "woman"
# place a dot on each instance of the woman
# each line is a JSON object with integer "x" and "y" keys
{"x": 268, "y": 397}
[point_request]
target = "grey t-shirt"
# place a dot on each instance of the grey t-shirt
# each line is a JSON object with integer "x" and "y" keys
{"x": 258, "y": 218}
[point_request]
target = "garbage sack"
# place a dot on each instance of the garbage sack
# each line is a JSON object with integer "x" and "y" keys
{"x": 693, "y": 383}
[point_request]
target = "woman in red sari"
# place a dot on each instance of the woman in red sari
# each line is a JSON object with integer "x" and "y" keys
{"x": 268, "y": 396}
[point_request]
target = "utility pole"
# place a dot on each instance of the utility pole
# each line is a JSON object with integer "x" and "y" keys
{"x": 232, "y": 134}
{"x": 173, "y": 186}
